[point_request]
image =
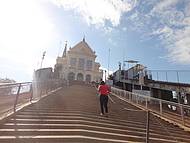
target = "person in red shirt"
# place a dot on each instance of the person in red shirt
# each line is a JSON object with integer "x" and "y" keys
{"x": 104, "y": 90}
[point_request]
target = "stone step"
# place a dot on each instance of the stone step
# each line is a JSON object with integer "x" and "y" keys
{"x": 67, "y": 113}
{"x": 93, "y": 118}
{"x": 72, "y": 115}
{"x": 70, "y": 118}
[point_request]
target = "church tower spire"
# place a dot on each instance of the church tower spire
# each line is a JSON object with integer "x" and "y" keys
{"x": 65, "y": 50}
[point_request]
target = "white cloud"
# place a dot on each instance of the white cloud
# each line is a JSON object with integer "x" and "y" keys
{"x": 176, "y": 32}
{"x": 170, "y": 21}
{"x": 186, "y": 21}
{"x": 164, "y": 4}
{"x": 187, "y": 9}
{"x": 163, "y": 33}
{"x": 108, "y": 30}
{"x": 98, "y": 11}
{"x": 124, "y": 28}
{"x": 112, "y": 42}
{"x": 179, "y": 50}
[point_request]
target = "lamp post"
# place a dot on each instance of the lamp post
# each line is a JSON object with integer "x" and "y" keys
{"x": 119, "y": 71}
{"x": 105, "y": 75}
{"x": 108, "y": 61}
{"x": 44, "y": 53}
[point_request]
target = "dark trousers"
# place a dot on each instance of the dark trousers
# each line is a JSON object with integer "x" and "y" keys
{"x": 104, "y": 103}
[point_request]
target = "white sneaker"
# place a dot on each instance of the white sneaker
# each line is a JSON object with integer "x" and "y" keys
{"x": 101, "y": 114}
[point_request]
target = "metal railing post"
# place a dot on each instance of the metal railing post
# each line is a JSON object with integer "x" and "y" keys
{"x": 45, "y": 87}
{"x": 182, "y": 114}
{"x": 31, "y": 92}
{"x": 40, "y": 88}
{"x": 137, "y": 99}
{"x": 17, "y": 95}
{"x": 146, "y": 103}
{"x": 147, "y": 126}
{"x": 160, "y": 106}
{"x": 166, "y": 76}
{"x": 129, "y": 96}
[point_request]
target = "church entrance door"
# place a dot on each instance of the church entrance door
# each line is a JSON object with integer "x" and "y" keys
{"x": 71, "y": 76}
{"x": 80, "y": 77}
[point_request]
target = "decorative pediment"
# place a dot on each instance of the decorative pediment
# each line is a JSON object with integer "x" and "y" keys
{"x": 82, "y": 48}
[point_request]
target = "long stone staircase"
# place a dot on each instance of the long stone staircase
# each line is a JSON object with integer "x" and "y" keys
{"x": 72, "y": 115}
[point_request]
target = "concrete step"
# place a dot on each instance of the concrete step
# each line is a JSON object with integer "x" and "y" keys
{"x": 73, "y": 116}
{"x": 75, "y": 123}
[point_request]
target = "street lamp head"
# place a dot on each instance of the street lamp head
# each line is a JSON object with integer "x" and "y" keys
{"x": 44, "y": 53}
{"x": 131, "y": 61}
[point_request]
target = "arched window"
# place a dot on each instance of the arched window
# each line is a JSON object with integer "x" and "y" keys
{"x": 80, "y": 76}
{"x": 71, "y": 76}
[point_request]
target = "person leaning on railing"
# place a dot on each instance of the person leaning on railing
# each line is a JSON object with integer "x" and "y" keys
{"x": 103, "y": 90}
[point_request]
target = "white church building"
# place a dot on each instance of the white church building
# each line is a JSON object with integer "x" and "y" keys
{"x": 78, "y": 63}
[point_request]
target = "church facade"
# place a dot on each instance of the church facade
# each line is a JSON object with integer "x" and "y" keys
{"x": 78, "y": 63}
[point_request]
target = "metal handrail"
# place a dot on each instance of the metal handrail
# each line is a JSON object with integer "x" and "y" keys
{"x": 11, "y": 84}
{"x": 19, "y": 94}
{"x": 144, "y": 96}
{"x": 142, "y": 100}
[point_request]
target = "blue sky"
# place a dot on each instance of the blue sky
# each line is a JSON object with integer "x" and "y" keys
{"x": 154, "y": 32}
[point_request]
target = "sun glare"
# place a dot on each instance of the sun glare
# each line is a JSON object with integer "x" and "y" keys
{"x": 24, "y": 31}
{"x": 23, "y": 27}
